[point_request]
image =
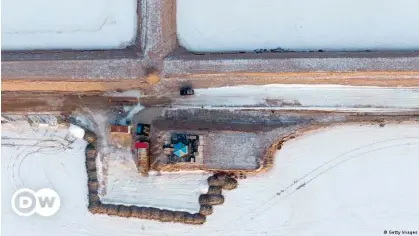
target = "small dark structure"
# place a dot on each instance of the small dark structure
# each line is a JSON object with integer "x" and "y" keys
{"x": 214, "y": 190}
{"x": 112, "y": 210}
{"x": 179, "y": 216}
{"x": 92, "y": 176}
{"x": 96, "y": 208}
{"x": 91, "y": 151}
{"x": 167, "y": 216}
{"x": 230, "y": 184}
{"x": 121, "y": 101}
{"x": 93, "y": 186}
{"x": 222, "y": 180}
{"x": 145, "y": 213}
{"x": 155, "y": 213}
{"x": 206, "y": 210}
{"x": 143, "y": 130}
{"x": 89, "y": 136}
{"x": 94, "y": 198}
{"x": 217, "y": 180}
{"x": 198, "y": 219}
{"x": 120, "y": 129}
{"x": 91, "y": 165}
{"x": 125, "y": 211}
{"x": 211, "y": 199}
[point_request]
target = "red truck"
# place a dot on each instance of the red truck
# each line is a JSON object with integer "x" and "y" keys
{"x": 142, "y": 157}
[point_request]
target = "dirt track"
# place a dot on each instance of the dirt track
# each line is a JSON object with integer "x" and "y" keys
{"x": 27, "y": 102}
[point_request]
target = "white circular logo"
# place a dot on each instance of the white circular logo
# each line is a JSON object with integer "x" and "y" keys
{"x": 24, "y": 202}
{"x": 45, "y": 202}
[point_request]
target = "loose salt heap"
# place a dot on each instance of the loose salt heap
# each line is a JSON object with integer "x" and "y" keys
{"x": 76, "y": 131}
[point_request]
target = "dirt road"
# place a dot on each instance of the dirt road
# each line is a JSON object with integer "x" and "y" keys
{"x": 28, "y": 102}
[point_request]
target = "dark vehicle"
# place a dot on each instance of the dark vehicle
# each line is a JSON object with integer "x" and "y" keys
{"x": 186, "y": 91}
{"x": 143, "y": 129}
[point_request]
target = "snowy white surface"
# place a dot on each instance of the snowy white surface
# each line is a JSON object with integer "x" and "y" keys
{"x": 360, "y": 180}
{"x": 319, "y": 97}
{"x": 247, "y": 25}
{"x": 123, "y": 184}
{"x": 64, "y": 24}
{"x": 174, "y": 191}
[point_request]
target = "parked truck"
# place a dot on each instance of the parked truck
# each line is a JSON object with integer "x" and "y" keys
{"x": 142, "y": 156}
{"x": 141, "y": 148}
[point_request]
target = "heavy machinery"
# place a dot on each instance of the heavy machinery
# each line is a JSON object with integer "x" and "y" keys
{"x": 141, "y": 148}
{"x": 142, "y": 157}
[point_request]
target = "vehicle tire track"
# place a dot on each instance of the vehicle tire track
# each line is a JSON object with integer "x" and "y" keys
{"x": 322, "y": 173}
{"x": 298, "y": 181}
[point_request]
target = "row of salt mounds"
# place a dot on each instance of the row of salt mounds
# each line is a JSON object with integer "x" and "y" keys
{"x": 150, "y": 213}
{"x": 214, "y": 196}
{"x": 222, "y": 180}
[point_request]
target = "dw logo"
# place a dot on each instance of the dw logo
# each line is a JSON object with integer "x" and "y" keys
{"x": 26, "y": 202}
